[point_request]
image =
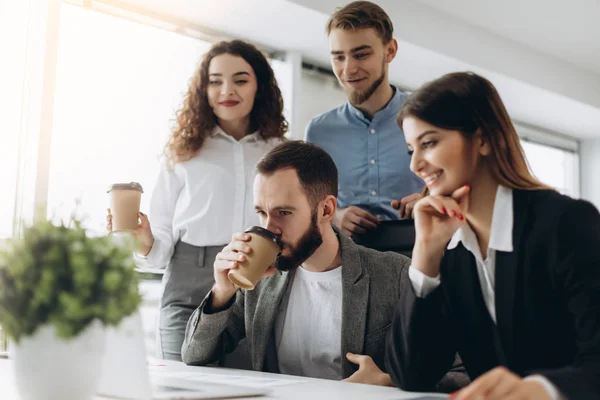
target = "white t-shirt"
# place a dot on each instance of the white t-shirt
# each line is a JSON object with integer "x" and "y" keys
{"x": 310, "y": 343}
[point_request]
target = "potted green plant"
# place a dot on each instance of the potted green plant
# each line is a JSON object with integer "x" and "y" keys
{"x": 59, "y": 288}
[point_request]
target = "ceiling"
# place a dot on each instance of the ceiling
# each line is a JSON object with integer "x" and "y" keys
{"x": 567, "y": 30}
{"x": 544, "y": 58}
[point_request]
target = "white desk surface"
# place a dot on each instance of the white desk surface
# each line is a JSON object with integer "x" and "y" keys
{"x": 309, "y": 388}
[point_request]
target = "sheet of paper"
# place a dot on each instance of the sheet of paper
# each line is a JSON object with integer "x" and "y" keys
{"x": 239, "y": 380}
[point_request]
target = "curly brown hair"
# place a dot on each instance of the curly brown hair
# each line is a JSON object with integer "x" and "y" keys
{"x": 196, "y": 119}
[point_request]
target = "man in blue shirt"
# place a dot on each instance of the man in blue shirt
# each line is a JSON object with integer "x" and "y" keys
{"x": 362, "y": 135}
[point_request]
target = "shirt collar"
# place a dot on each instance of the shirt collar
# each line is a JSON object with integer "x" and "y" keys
{"x": 501, "y": 232}
{"x": 392, "y": 108}
{"x": 218, "y": 131}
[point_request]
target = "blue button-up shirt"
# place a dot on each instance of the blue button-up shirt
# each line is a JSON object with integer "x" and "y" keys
{"x": 371, "y": 156}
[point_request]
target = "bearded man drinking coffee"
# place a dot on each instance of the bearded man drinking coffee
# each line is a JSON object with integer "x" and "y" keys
{"x": 324, "y": 308}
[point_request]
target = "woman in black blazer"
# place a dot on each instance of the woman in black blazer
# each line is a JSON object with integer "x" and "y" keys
{"x": 505, "y": 270}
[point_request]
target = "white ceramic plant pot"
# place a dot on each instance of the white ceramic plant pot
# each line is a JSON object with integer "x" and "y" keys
{"x": 51, "y": 368}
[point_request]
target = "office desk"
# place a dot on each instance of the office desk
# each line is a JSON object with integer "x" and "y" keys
{"x": 307, "y": 388}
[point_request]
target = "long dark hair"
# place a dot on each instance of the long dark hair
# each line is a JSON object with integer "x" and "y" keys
{"x": 467, "y": 102}
{"x": 196, "y": 120}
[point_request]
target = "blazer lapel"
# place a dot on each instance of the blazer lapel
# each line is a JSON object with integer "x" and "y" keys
{"x": 355, "y": 302}
{"x": 507, "y": 267}
{"x": 262, "y": 325}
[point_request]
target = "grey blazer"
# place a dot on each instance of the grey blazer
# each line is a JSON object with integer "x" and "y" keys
{"x": 371, "y": 282}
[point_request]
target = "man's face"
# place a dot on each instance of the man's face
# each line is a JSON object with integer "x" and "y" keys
{"x": 359, "y": 60}
{"x": 284, "y": 209}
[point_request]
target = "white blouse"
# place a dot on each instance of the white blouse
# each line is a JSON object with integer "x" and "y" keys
{"x": 203, "y": 201}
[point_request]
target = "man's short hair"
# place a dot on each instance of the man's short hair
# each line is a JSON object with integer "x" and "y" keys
{"x": 316, "y": 170}
{"x": 362, "y": 15}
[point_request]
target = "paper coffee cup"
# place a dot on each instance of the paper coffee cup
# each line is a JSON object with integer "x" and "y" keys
{"x": 125, "y": 201}
{"x": 266, "y": 246}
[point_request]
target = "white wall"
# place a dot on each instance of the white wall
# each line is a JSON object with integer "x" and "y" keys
{"x": 318, "y": 93}
{"x": 590, "y": 171}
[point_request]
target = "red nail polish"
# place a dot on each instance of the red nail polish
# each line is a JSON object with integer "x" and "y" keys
{"x": 461, "y": 217}
{"x": 444, "y": 210}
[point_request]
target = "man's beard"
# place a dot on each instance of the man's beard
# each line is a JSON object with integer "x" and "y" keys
{"x": 307, "y": 245}
{"x": 358, "y": 97}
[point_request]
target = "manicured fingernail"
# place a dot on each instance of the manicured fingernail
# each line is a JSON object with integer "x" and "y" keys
{"x": 444, "y": 210}
{"x": 461, "y": 217}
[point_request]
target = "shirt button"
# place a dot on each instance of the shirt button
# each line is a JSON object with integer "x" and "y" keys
{"x": 372, "y": 131}
{"x": 358, "y": 113}
{"x": 373, "y": 193}
{"x": 372, "y": 161}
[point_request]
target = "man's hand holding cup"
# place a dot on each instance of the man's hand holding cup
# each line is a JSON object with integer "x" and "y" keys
{"x": 243, "y": 262}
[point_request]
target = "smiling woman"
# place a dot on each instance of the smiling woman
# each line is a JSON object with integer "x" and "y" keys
{"x": 231, "y": 90}
{"x": 232, "y": 114}
{"x": 117, "y": 86}
{"x": 503, "y": 265}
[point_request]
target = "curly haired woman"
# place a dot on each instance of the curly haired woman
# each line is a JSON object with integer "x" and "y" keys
{"x": 232, "y": 115}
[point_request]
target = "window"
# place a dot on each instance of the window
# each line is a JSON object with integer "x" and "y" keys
{"x": 118, "y": 85}
{"x": 553, "y": 166}
{"x": 13, "y": 42}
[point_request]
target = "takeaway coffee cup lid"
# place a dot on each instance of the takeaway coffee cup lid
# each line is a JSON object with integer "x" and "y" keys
{"x": 266, "y": 234}
{"x": 126, "y": 186}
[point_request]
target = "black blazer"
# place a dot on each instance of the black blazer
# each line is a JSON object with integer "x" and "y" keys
{"x": 547, "y": 305}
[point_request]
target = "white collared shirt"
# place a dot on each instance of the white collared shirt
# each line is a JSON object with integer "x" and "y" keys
{"x": 501, "y": 239}
{"x": 205, "y": 200}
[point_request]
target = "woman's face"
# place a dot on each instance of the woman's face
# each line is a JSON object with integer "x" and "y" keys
{"x": 231, "y": 87}
{"x": 444, "y": 159}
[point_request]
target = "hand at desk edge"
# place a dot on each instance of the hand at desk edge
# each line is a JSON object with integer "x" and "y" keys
{"x": 368, "y": 372}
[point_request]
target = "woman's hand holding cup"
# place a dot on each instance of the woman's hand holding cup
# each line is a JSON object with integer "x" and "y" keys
{"x": 143, "y": 232}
